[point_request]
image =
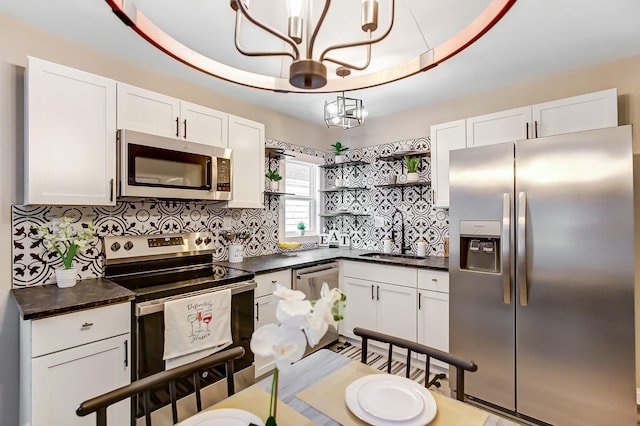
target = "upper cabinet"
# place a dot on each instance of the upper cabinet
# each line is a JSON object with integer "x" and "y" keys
{"x": 150, "y": 112}
{"x": 70, "y": 136}
{"x": 579, "y": 113}
{"x": 246, "y": 140}
{"x": 444, "y": 138}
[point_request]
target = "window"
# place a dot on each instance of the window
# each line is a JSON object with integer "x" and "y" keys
{"x": 301, "y": 177}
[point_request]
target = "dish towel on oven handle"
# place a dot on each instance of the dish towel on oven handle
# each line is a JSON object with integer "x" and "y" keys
{"x": 195, "y": 327}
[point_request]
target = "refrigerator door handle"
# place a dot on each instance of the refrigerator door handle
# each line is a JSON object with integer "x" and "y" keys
{"x": 521, "y": 256}
{"x": 506, "y": 248}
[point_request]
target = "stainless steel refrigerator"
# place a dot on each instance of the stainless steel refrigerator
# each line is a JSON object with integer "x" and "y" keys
{"x": 542, "y": 276}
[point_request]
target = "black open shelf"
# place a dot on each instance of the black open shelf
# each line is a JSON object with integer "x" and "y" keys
{"x": 346, "y": 163}
{"x": 345, "y": 188}
{"x": 401, "y": 155}
{"x": 402, "y": 185}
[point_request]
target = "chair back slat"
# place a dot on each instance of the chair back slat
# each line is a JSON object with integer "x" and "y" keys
{"x": 100, "y": 403}
{"x": 461, "y": 365}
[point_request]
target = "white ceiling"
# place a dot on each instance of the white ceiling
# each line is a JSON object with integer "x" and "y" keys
{"x": 535, "y": 38}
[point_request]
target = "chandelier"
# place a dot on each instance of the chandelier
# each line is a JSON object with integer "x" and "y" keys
{"x": 344, "y": 112}
{"x": 299, "y": 33}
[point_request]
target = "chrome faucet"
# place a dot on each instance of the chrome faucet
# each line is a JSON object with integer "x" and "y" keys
{"x": 403, "y": 248}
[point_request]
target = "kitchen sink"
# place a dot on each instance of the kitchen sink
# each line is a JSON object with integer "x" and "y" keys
{"x": 390, "y": 256}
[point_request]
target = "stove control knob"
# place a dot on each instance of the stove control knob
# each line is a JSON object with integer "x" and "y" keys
{"x": 207, "y": 241}
{"x": 198, "y": 241}
{"x": 128, "y": 245}
{"x": 115, "y": 246}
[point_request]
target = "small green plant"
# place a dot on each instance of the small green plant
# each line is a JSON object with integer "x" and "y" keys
{"x": 273, "y": 176}
{"x": 338, "y": 148}
{"x": 301, "y": 226}
{"x": 412, "y": 163}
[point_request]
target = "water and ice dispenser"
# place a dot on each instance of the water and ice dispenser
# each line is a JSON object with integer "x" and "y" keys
{"x": 480, "y": 246}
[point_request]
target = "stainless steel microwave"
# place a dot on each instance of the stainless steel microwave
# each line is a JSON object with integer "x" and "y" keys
{"x": 153, "y": 166}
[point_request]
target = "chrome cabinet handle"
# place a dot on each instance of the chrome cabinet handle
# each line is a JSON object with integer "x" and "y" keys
{"x": 521, "y": 254}
{"x": 506, "y": 248}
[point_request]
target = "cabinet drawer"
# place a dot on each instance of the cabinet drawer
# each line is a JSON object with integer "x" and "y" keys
{"x": 65, "y": 331}
{"x": 429, "y": 279}
{"x": 267, "y": 282}
{"x": 398, "y": 275}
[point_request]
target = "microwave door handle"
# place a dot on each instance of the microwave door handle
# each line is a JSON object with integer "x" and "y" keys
{"x": 209, "y": 183}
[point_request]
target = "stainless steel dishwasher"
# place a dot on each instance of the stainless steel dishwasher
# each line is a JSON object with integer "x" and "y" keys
{"x": 309, "y": 281}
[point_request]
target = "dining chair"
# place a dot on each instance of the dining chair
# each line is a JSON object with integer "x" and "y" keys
{"x": 99, "y": 404}
{"x": 460, "y": 364}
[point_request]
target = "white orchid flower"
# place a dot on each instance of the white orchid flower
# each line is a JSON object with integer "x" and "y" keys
{"x": 293, "y": 312}
{"x": 316, "y": 324}
{"x": 286, "y": 294}
{"x": 284, "y": 343}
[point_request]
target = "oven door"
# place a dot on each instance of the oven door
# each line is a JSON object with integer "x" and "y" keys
{"x": 149, "y": 345}
{"x": 155, "y": 166}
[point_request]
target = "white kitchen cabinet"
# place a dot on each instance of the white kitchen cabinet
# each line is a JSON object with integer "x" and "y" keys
{"x": 445, "y": 137}
{"x": 265, "y": 310}
{"x": 433, "y": 311}
{"x": 499, "y": 127}
{"x": 575, "y": 114}
{"x": 146, "y": 111}
{"x": 591, "y": 111}
{"x": 246, "y": 140}
{"x": 381, "y": 298}
{"x": 69, "y": 358}
{"x": 70, "y": 136}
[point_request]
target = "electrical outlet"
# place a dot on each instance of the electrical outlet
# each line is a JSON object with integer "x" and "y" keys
{"x": 378, "y": 221}
{"x": 227, "y": 222}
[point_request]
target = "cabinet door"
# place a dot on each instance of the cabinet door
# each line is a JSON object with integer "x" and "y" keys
{"x": 499, "y": 127}
{"x": 246, "y": 140}
{"x": 203, "y": 125}
{"x": 444, "y": 138}
{"x": 70, "y": 136}
{"x": 149, "y": 112}
{"x": 267, "y": 282}
{"x": 433, "y": 321}
{"x": 360, "y": 309}
{"x": 396, "y": 310}
{"x": 64, "y": 379}
{"x": 579, "y": 113}
{"x": 265, "y": 313}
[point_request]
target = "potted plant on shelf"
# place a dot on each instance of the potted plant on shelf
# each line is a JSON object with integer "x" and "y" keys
{"x": 338, "y": 150}
{"x": 301, "y": 228}
{"x": 412, "y": 163}
{"x": 274, "y": 177}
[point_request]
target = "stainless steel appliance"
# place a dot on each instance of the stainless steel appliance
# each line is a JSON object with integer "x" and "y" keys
{"x": 542, "y": 276}
{"x": 309, "y": 281}
{"x": 159, "y": 268}
{"x": 158, "y": 167}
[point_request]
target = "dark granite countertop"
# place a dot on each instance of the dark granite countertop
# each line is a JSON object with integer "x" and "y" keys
{"x": 43, "y": 301}
{"x": 276, "y": 262}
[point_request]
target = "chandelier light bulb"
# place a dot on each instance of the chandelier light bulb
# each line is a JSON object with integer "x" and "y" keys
{"x": 335, "y": 120}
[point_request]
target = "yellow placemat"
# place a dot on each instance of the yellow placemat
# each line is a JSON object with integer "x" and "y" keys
{"x": 256, "y": 400}
{"x": 327, "y": 396}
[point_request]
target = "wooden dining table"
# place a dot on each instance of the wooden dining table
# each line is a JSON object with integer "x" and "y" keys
{"x": 312, "y": 392}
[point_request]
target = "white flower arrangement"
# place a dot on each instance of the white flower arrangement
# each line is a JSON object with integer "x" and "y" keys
{"x": 65, "y": 237}
{"x": 301, "y": 321}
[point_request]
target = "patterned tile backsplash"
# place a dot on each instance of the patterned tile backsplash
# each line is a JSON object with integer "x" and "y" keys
{"x": 34, "y": 265}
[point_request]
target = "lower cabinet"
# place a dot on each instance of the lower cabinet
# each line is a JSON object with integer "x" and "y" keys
{"x": 387, "y": 308}
{"x": 264, "y": 311}
{"x": 70, "y": 358}
{"x": 433, "y": 311}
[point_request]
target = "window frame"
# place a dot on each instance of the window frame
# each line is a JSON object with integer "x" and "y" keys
{"x": 315, "y": 197}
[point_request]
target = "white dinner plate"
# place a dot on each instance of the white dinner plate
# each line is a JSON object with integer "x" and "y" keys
{"x": 388, "y": 400}
{"x": 222, "y": 417}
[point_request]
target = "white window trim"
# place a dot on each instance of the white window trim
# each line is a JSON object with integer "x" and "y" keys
{"x": 308, "y": 238}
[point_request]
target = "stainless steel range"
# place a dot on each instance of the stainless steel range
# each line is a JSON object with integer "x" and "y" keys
{"x": 160, "y": 268}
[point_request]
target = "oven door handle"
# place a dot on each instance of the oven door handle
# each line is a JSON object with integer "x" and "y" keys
{"x": 316, "y": 273}
{"x": 157, "y": 305}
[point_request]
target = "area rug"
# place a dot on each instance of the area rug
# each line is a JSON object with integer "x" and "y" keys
{"x": 398, "y": 368}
